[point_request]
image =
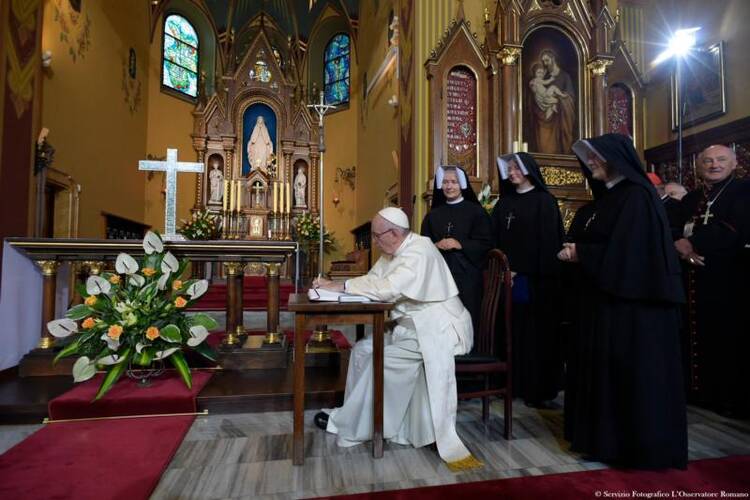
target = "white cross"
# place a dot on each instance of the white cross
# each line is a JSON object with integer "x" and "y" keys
{"x": 171, "y": 167}
{"x": 707, "y": 215}
{"x": 509, "y": 218}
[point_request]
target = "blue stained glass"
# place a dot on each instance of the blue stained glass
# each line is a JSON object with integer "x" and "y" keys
{"x": 336, "y": 69}
{"x": 180, "y": 57}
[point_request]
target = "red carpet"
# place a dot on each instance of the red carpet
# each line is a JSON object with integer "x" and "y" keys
{"x": 731, "y": 474}
{"x": 167, "y": 394}
{"x": 254, "y": 295}
{"x": 114, "y": 459}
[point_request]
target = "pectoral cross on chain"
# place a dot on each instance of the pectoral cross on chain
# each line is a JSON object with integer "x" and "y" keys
{"x": 708, "y": 213}
{"x": 591, "y": 219}
{"x": 448, "y": 230}
{"x": 509, "y": 218}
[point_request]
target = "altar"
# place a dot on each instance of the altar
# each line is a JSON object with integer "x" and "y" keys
{"x": 90, "y": 257}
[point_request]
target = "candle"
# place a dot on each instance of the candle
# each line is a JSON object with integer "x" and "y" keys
{"x": 239, "y": 195}
{"x": 275, "y": 196}
{"x": 525, "y": 147}
{"x": 515, "y": 147}
{"x": 288, "y": 197}
{"x": 226, "y": 195}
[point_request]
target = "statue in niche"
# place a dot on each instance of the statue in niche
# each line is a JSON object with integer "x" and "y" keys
{"x": 300, "y": 188}
{"x": 216, "y": 181}
{"x": 259, "y": 147}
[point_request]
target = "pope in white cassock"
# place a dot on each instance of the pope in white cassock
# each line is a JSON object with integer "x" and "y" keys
{"x": 429, "y": 327}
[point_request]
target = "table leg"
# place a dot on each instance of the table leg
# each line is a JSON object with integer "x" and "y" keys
{"x": 377, "y": 363}
{"x": 272, "y": 319}
{"x": 49, "y": 285}
{"x": 233, "y": 271}
{"x": 298, "y": 440}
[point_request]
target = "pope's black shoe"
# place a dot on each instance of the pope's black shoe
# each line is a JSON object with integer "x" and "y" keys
{"x": 321, "y": 420}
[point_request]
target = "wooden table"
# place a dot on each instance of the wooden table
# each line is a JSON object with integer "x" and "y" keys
{"x": 307, "y": 315}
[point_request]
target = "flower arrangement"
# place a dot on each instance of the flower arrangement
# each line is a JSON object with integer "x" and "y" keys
{"x": 486, "y": 199}
{"x": 203, "y": 226}
{"x": 308, "y": 232}
{"x": 135, "y": 316}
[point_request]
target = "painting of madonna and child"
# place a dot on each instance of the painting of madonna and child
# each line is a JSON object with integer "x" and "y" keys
{"x": 550, "y": 76}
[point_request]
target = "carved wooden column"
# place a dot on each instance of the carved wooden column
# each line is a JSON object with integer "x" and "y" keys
{"x": 598, "y": 68}
{"x": 227, "y": 144}
{"x": 49, "y": 291}
{"x": 199, "y": 144}
{"x": 508, "y": 55}
{"x": 272, "y": 321}
{"x": 234, "y": 273}
{"x": 285, "y": 169}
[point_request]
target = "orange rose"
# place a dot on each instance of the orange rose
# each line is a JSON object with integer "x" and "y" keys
{"x": 114, "y": 332}
{"x": 152, "y": 333}
{"x": 149, "y": 271}
{"x": 177, "y": 284}
{"x": 180, "y": 302}
{"x": 90, "y": 300}
{"x": 114, "y": 279}
{"x": 88, "y": 323}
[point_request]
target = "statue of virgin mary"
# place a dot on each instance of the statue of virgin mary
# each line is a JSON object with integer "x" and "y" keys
{"x": 259, "y": 147}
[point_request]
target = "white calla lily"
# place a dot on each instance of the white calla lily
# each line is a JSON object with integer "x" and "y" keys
{"x": 139, "y": 347}
{"x": 96, "y": 285}
{"x": 125, "y": 264}
{"x": 198, "y": 334}
{"x": 112, "y": 359}
{"x": 169, "y": 263}
{"x": 162, "y": 283}
{"x": 83, "y": 369}
{"x": 137, "y": 280}
{"x": 165, "y": 353}
{"x": 62, "y": 328}
{"x": 152, "y": 243}
{"x": 197, "y": 289}
{"x": 113, "y": 344}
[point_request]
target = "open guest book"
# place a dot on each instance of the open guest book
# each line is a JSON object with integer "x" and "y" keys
{"x": 323, "y": 295}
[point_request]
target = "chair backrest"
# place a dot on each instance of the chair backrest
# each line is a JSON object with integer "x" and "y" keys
{"x": 497, "y": 287}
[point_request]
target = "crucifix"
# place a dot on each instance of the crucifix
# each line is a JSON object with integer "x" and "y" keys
{"x": 591, "y": 219}
{"x": 509, "y": 218}
{"x": 171, "y": 166}
{"x": 321, "y": 108}
{"x": 257, "y": 187}
{"x": 708, "y": 213}
{"x": 448, "y": 230}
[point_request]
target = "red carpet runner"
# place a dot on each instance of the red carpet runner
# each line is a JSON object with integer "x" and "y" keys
{"x": 167, "y": 394}
{"x": 730, "y": 474}
{"x": 254, "y": 295}
{"x": 119, "y": 459}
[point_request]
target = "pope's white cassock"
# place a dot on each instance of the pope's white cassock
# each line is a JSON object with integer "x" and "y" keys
{"x": 429, "y": 327}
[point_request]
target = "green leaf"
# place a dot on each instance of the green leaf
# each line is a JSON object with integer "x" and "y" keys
{"x": 178, "y": 360}
{"x": 145, "y": 357}
{"x": 113, "y": 375}
{"x": 204, "y": 320}
{"x": 171, "y": 333}
{"x": 206, "y": 351}
{"x": 69, "y": 349}
{"x": 79, "y": 312}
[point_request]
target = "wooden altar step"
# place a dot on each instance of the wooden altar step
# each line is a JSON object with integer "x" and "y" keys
{"x": 254, "y": 295}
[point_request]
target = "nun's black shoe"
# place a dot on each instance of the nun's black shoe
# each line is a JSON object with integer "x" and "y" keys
{"x": 321, "y": 420}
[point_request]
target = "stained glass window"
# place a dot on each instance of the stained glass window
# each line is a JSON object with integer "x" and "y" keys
{"x": 180, "y": 58}
{"x": 336, "y": 77}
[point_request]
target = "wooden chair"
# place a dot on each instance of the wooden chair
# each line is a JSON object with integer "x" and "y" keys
{"x": 484, "y": 363}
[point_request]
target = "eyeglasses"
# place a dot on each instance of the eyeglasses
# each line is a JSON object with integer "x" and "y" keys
{"x": 380, "y": 235}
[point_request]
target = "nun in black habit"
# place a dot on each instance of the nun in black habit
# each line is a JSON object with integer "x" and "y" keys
{"x": 529, "y": 230}
{"x": 624, "y": 399}
{"x": 461, "y": 229}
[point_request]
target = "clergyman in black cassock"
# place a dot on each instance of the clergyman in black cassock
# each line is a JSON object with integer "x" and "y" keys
{"x": 626, "y": 405}
{"x": 528, "y": 229}
{"x": 712, "y": 221}
{"x": 457, "y": 215}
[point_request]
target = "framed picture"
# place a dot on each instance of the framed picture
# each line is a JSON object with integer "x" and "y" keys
{"x": 702, "y": 87}
{"x": 550, "y": 69}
